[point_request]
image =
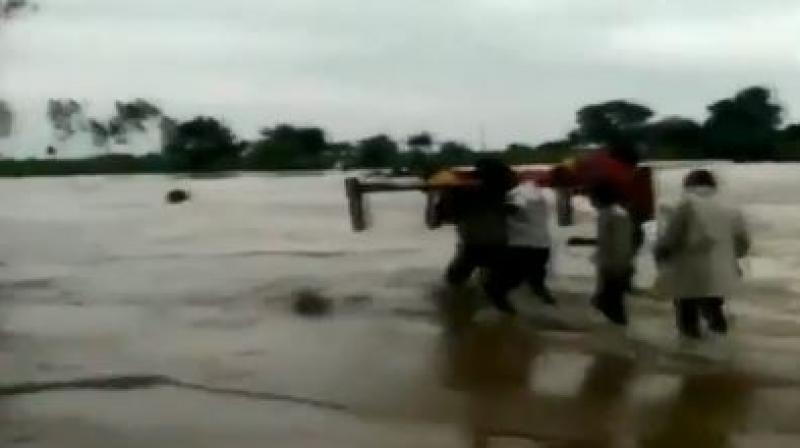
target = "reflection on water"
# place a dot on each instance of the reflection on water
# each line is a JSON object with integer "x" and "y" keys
{"x": 706, "y": 412}
{"x": 495, "y": 363}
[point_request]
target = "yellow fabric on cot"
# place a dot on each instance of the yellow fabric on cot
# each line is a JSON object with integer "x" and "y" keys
{"x": 444, "y": 177}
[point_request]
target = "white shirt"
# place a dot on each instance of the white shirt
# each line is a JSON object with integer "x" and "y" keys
{"x": 704, "y": 237}
{"x": 528, "y": 224}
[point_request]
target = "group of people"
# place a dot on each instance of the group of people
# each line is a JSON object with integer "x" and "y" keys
{"x": 503, "y": 230}
{"x": 502, "y": 225}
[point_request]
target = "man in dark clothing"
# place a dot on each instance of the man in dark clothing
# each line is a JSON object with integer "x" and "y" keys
{"x": 479, "y": 213}
{"x": 481, "y": 232}
{"x": 614, "y": 256}
{"x": 626, "y": 150}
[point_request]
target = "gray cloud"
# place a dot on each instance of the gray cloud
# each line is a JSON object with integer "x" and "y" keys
{"x": 520, "y": 68}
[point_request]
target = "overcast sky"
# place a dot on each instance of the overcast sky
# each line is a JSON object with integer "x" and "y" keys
{"x": 517, "y": 68}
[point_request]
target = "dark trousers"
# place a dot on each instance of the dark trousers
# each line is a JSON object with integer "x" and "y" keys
{"x": 468, "y": 258}
{"x": 518, "y": 265}
{"x": 609, "y": 298}
{"x": 506, "y": 268}
{"x": 531, "y": 266}
{"x": 688, "y": 311}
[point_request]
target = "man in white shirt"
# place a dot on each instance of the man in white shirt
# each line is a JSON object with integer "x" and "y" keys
{"x": 528, "y": 224}
{"x": 527, "y": 252}
{"x": 698, "y": 254}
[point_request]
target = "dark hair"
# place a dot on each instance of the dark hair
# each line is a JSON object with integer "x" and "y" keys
{"x": 700, "y": 178}
{"x": 604, "y": 193}
{"x": 624, "y": 148}
{"x": 494, "y": 174}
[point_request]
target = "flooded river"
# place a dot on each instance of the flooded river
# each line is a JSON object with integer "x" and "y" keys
{"x": 127, "y": 322}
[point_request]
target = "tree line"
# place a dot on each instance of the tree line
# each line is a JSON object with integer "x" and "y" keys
{"x": 747, "y": 126}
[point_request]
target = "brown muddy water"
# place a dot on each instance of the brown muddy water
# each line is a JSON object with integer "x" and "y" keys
{"x": 124, "y": 322}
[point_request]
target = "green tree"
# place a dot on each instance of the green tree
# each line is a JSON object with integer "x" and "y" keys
{"x": 744, "y": 127}
{"x": 131, "y": 117}
{"x": 10, "y": 8}
{"x": 307, "y": 141}
{"x": 604, "y": 121}
{"x": 378, "y": 151}
{"x": 343, "y": 154}
{"x": 554, "y": 145}
{"x": 265, "y": 155}
{"x": 133, "y": 114}
{"x": 420, "y": 142}
{"x": 674, "y": 137}
{"x": 168, "y": 129}
{"x": 99, "y": 133}
{"x": 6, "y": 119}
{"x": 416, "y": 162}
{"x": 117, "y": 130}
{"x": 289, "y": 147}
{"x": 520, "y": 147}
{"x": 788, "y": 146}
{"x": 452, "y": 153}
{"x": 64, "y": 115}
{"x": 203, "y": 143}
{"x": 517, "y": 153}
{"x": 791, "y": 132}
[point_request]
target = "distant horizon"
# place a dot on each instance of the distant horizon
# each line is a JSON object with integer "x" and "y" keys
{"x": 81, "y": 146}
{"x": 516, "y": 69}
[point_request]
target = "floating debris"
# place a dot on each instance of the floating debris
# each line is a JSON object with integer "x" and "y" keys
{"x": 177, "y": 196}
{"x": 311, "y": 303}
